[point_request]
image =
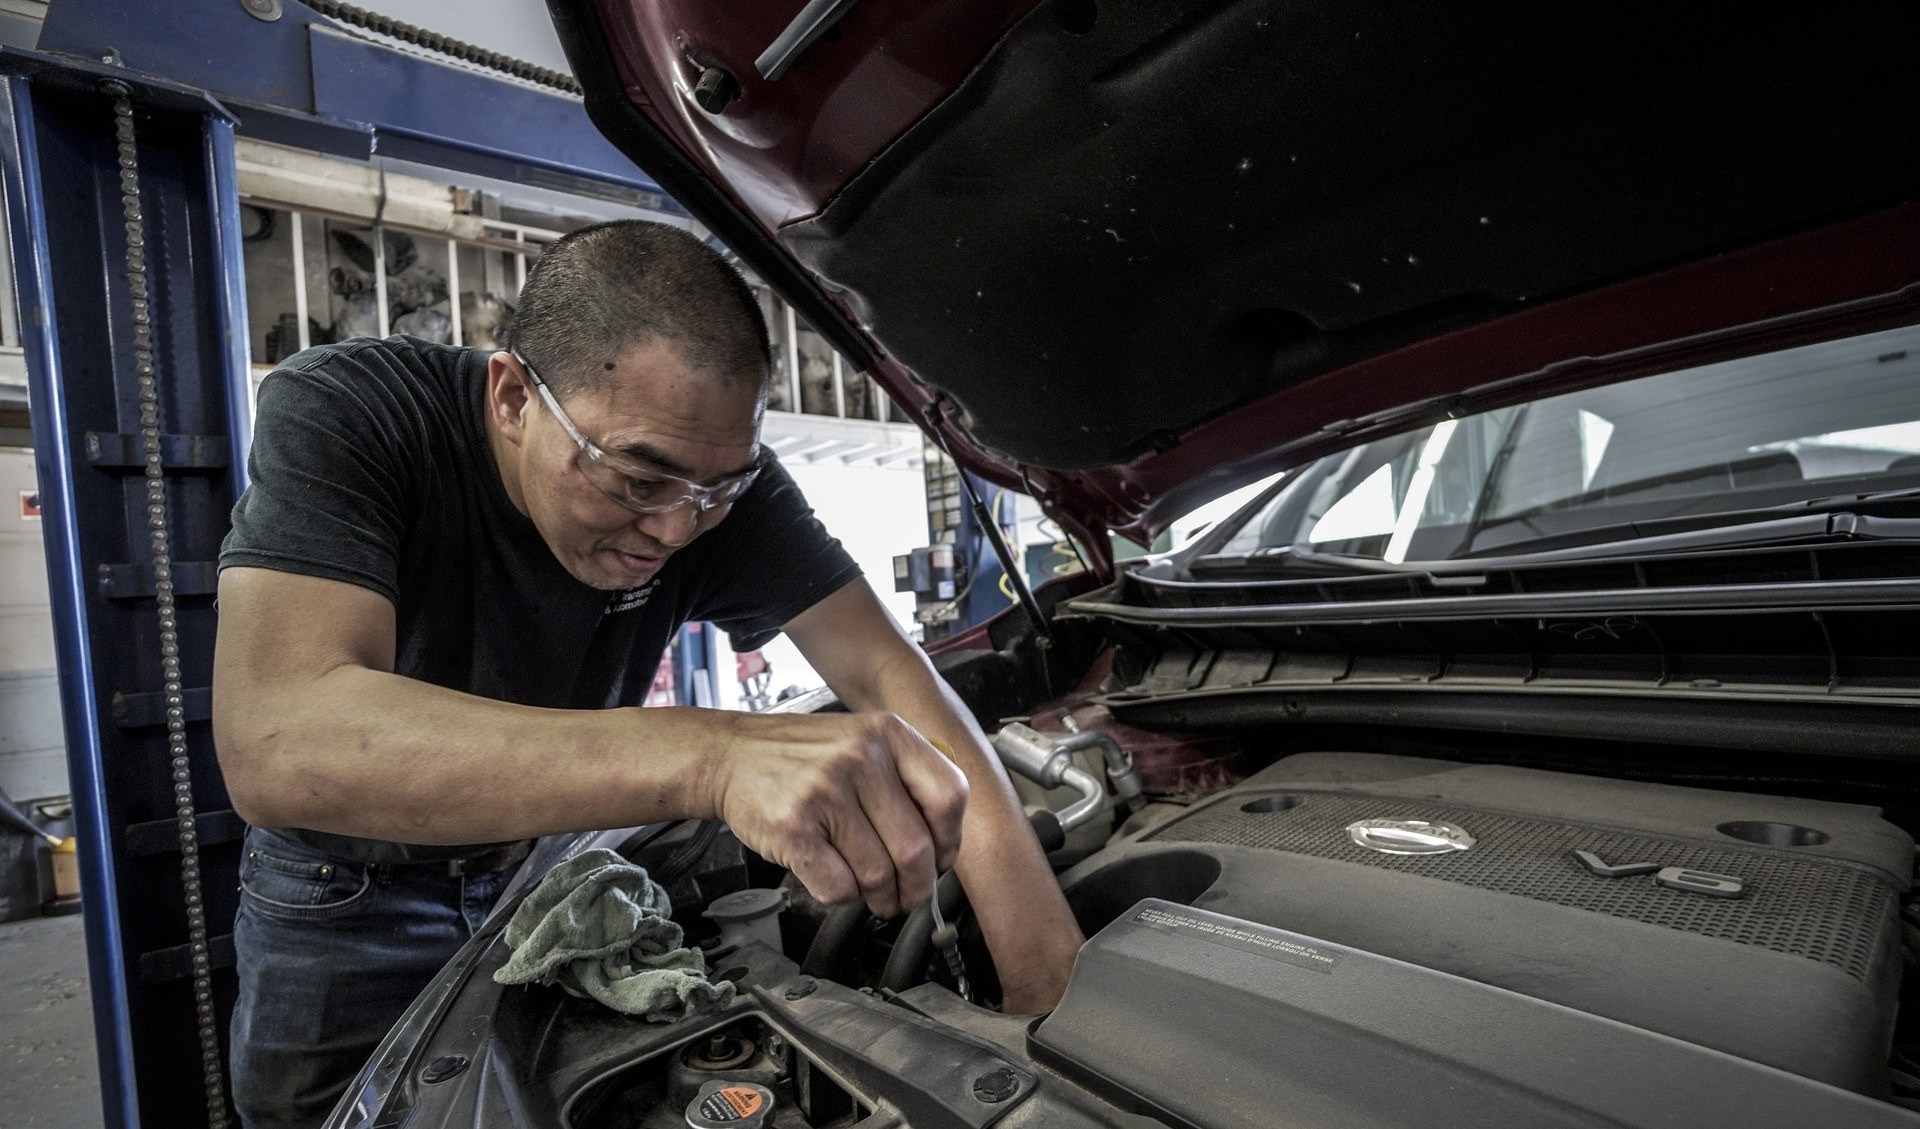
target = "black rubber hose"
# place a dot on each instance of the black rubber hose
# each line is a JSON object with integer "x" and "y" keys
{"x": 912, "y": 950}
{"x": 1047, "y": 829}
{"x": 642, "y": 838}
{"x": 688, "y": 855}
{"x": 907, "y": 964}
{"x": 833, "y": 955}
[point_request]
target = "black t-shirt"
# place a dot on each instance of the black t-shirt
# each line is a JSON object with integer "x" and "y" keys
{"x": 370, "y": 465}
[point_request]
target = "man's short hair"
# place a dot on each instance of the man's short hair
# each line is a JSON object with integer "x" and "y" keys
{"x": 599, "y": 291}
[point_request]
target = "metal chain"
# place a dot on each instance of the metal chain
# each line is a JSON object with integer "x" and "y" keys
{"x": 137, "y": 289}
{"x": 444, "y": 44}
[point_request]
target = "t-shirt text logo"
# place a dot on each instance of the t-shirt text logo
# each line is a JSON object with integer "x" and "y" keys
{"x": 631, "y": 598}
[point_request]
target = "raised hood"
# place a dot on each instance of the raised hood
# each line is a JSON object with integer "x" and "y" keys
{"x": 1129, "y": 254}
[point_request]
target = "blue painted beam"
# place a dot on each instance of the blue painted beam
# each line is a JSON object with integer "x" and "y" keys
{"x": 306, "y": 81}
{"x": 67, "y": 577}
{"x": 229, "y": 313}
{"x": 60, "y": 164}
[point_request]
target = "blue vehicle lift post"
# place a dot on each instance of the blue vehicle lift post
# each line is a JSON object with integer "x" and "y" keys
{"x": 71, "y": 246}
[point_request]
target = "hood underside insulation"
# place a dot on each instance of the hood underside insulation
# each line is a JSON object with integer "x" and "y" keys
{"x": 1132, "y": 216}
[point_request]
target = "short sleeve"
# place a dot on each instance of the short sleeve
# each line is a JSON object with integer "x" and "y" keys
{"x": 333, "y": 466}
{"x": 771, "y": 559}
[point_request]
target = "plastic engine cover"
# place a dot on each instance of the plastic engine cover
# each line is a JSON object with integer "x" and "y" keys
{"x": 1799, "y": 971}
{"x": 1259, "y": 1027}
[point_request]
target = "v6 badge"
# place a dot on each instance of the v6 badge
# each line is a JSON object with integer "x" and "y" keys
{"x": 1672, "y": 877}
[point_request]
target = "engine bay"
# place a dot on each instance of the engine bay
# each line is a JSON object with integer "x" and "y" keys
{"x": 1333, "y": 939}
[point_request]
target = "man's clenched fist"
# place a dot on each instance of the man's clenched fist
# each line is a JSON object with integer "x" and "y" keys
{"x": 856, "y": 805}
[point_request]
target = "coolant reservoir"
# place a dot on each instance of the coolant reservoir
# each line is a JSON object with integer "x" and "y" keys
{"x": 748, "y": 915}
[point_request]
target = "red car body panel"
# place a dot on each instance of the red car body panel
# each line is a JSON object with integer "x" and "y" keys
{"x": 784, "y": 148}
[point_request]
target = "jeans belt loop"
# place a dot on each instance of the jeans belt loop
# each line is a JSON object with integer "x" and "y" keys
{"x": 497, "y": 859}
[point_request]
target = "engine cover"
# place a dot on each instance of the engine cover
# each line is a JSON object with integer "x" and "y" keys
{"x": 1762, "y": 926}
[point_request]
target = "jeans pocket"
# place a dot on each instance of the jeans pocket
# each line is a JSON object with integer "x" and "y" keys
{"x": 297, "y": 887}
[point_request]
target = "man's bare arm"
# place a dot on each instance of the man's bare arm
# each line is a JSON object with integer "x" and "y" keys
{"x": 872, "y": 666}
{"x": 314, "y": 730}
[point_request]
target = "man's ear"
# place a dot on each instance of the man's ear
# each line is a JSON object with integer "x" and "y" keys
{"x": 509, "y": 397}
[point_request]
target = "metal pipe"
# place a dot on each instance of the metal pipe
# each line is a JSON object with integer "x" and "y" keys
{"x": 1049, "y": 763}
{"x": 839, "y": 387}
{"x": 996, "y": 537}
{"x": 813, "y": 22}
{"x": 457, "y": 336}
{"x": 793, "y": 358}
{"x": 522, "y": 230}
{"x": 1093, "y": 798}
{"x": 9, "y": 321}
{"x": 13, "y": 815}
{"x": 380, "y": 279}
{"x": 300, "y": 277}
{"x": 1030, "y": 753}
{"x": 230, "y": 317}
{"x": 1119, "y": 762}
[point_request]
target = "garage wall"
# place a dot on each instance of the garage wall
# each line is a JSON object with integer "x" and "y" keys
{"x": 33, "y": 761}
{"x": 877, "y": 513}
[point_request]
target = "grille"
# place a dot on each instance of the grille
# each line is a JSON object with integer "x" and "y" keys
{"x": 1822, "y": 911}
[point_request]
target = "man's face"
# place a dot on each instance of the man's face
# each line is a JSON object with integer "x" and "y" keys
{"x": 651, "y": 410}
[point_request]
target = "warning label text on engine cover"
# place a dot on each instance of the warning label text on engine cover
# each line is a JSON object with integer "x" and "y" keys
{"x": 1232, "y": 936}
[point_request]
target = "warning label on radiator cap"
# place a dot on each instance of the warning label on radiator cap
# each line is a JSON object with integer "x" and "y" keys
{"x": 730, "y": 1105}
{"x": 1245, "y": 938}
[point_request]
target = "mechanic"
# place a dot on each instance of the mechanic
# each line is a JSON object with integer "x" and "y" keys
{"x": 447, "y": 590}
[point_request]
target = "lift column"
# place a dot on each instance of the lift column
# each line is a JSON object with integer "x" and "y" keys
{"x": 122, "y": 206}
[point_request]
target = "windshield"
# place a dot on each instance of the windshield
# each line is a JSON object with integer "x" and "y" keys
{"x": 1835, "y": 418}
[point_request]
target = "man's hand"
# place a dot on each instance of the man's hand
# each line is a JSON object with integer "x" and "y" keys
{"x": 856, "y": 805}
{"x": 871, "y": 664}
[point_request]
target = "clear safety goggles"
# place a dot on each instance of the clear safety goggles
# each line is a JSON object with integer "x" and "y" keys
{"x": 635, "y": 487}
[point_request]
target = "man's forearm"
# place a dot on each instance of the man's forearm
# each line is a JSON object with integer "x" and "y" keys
{"x": 362, "y": 752}
{"x": 313, "y": 732}
{"x": 1009, "y": 883}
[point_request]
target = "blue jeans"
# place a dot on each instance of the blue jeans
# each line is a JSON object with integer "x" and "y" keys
{"x": 330, "y": 952}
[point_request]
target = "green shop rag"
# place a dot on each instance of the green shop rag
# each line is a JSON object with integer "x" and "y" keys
{"x": 597, "y": 926}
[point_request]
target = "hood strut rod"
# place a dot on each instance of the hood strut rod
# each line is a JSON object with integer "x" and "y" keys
{"x": 1016, "y": 577}
{"x": 814, "y": 21}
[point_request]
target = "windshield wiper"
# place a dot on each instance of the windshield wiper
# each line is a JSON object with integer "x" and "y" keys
{"x": 1675, "y": 521}
{"x": 1759, "y": 529}
{"x": 1763, "y": 527}
{"x": 1296, "y": 560}
{"x": 1723, "y": 527}
{"x": 1863, "y": 497}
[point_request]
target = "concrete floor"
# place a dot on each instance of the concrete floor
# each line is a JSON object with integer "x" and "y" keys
{"x": 49, "y": 1078}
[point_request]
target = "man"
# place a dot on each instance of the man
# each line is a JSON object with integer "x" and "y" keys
{"x": 450, "y": 582}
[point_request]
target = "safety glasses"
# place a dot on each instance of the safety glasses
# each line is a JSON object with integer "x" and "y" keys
{"x": 635, "y": 487}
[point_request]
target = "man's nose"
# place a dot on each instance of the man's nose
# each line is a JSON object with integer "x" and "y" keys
{"x": 672, "y": 528}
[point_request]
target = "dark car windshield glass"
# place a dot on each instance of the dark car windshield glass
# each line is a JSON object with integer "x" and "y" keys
{"x": 1819, "y": 421}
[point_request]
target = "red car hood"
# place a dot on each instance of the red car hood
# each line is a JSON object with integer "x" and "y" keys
{"x": 1129, "y": 255}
